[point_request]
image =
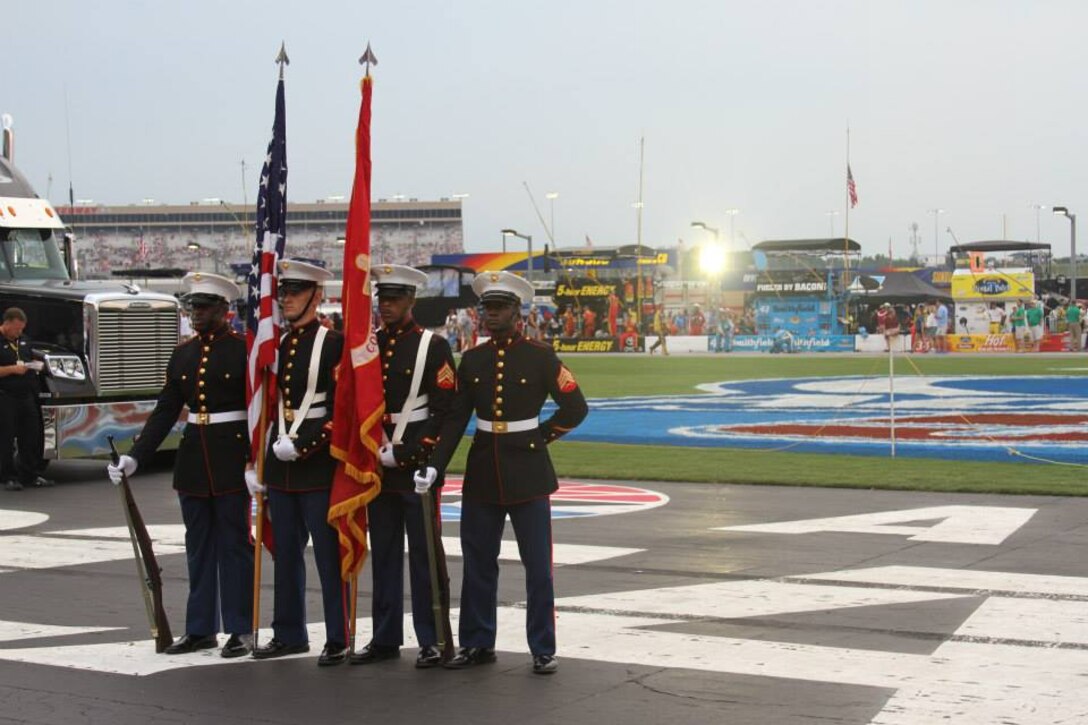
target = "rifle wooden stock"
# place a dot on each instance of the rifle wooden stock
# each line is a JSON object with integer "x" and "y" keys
{"x": 440, "y": 580}
{"x": 147, "y": 566}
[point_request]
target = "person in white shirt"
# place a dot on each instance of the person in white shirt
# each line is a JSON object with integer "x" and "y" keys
{"x": 997, "y": 319}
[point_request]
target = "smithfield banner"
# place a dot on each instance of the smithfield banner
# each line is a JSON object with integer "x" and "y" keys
{"x": 817, "y": 343}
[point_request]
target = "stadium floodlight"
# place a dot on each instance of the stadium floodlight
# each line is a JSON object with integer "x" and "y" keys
{"x": 712, "y": 259}
{"x": 1064, "y": 211}
{"x": 529, "y": 241}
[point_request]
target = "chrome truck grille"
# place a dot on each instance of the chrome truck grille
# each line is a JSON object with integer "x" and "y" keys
{"x": 134, "y": 341}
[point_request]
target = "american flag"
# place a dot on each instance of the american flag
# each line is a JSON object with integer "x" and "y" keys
{"x": 142, "y": 253}
{"x": 262, "y": 312}
{"x": 851, "y": 187}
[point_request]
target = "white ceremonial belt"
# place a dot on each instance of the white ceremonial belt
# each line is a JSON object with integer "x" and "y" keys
{"x": 416, "y": 415}
{"x": 507, "y": 426}
{"x": 318, "y": 412}
{"x": 231, "y": 416}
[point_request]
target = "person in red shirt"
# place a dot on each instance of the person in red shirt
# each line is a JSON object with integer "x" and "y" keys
{"x": 697, "y": 321}
{"x": 589, "y": 322}
{"x": 887, "y": 324}
{"x": 568, "y": 322}
{"x": 613, "y": 314}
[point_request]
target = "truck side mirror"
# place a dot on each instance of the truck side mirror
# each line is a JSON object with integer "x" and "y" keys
{"x": 69, "y": 251}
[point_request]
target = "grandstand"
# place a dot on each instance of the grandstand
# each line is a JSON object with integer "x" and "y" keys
{"x": 211, "y": 235}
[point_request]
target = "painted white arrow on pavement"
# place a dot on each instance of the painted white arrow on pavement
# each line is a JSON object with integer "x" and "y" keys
{"x": 955, "y": 524}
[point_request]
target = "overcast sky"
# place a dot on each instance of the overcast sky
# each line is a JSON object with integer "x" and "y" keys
{"x": 974, "y": 106}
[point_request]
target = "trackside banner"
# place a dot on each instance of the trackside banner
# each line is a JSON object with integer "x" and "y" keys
{"x": 982, "y": 343}
{"x": 623, "y": 343}
{"x": 818, "y": 343}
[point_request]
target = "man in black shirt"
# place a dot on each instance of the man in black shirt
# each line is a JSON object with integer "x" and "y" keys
{"x": 299, "y": 469}
{"x": 207, "y": 375}
{"x": 419, "y": 381}
{"x": 20, "y": 415}
{"x": 506, "y": 382}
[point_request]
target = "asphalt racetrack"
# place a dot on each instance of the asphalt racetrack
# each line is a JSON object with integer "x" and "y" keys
{"x": 677, "y": 603}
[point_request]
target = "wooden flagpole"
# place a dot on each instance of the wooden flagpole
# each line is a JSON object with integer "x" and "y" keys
{"x": 258, "y": 538}
{"x": 262, "y": 428}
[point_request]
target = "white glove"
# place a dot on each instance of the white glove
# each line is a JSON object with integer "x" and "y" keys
{"x": 126, "y": 466}
{"x": 284, "y": 449}
{"x": 425, "y": 479}
{"x": 252, "y": 484}
{"x": 385, "y": 454}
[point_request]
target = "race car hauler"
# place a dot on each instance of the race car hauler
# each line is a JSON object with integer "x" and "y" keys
{"x": 105, "y": 345}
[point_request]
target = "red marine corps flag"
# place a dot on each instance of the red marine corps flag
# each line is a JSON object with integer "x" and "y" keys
{"x": 360, "y": 400}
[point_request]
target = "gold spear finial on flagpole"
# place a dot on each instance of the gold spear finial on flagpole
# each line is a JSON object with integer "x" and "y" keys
{"x": 367, "y": 58}
{"x": 282, "y": 58}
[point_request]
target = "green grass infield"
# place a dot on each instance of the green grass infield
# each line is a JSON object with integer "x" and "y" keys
{"x": 617, "y": 376}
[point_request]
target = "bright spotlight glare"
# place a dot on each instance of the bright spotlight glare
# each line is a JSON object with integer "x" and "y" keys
{"x": 712, "y": 259}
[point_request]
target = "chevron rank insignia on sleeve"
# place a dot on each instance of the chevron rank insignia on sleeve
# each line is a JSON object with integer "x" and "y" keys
{"x": 445, "y": 378}
{"x": 566, "y": 380}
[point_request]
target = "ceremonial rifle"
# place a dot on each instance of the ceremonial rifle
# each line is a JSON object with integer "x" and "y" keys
{"x": 436, "y": 558}
{"x": 147, "y": 567}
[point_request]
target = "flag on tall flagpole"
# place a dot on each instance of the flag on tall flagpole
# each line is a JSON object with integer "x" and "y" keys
{"x": 262, "y": 311}
{"x": 142, "y": 252}
{"x": 851, "y": 187}
{"x": 360, "y": 399}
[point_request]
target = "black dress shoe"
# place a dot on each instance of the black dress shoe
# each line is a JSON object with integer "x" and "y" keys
{"x": 375, "y": 653}
{"x": 276, "y": 648}
{"x": 192, "y": 643}
{"x": 238, "y": 645}
{"x": 429, "y": 656}
{"x": 333, "y": 653}
{"x": 470, "y": 657}
{"x": 545, "y": 664}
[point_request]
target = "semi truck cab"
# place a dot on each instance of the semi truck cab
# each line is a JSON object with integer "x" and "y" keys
{"x": 105, "y": 345}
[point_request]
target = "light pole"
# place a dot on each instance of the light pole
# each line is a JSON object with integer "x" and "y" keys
{"x": 529, "y": 241}
{"x": 936, "y": 235}
{"x": 551, "y": 196}
{"x": 831, "y": 214}
{"x": 1038, "y": 208}
{"x": 712, "y": 230}
{"x": 1072, "y": 249}
{"x": 732, "y": 226}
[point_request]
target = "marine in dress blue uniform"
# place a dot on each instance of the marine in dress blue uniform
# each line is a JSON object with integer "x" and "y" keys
{"x": 506, "y": 382}
{"x": 207, "y": 375}
{"x": 298, "y": 469}
{"x": 399, "y": 508}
